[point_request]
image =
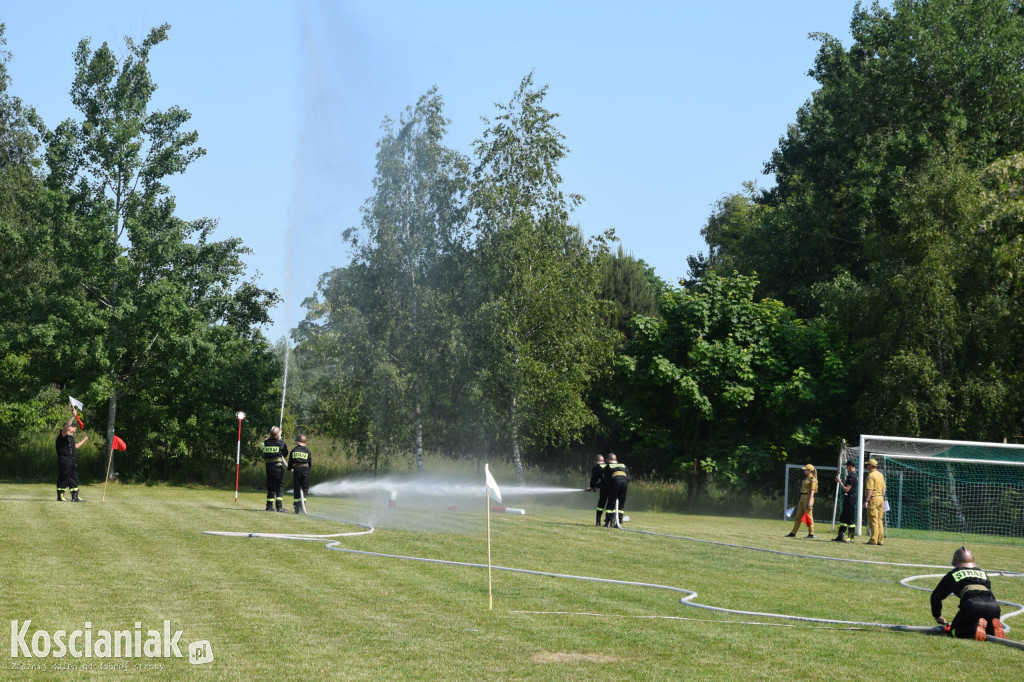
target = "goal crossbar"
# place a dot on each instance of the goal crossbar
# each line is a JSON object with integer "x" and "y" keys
{"x": 954, "y": 460}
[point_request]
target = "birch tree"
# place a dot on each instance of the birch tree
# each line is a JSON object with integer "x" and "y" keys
{"x": 537, "y": 342}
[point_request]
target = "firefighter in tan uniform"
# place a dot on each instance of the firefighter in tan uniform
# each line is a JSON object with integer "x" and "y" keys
{"x": 808, "y": 487}
{"x": 874, "y": 501}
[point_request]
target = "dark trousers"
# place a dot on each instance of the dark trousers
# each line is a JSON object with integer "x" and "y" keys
{"x": 67, "y": 473}
{"x": 275, "y": 483}
{"x": 617, "y": 495}
{"x": 300, "y": 481}
{"x": 849, "y": 514}
{"x": 848, "y": 517}
{"x": 965, "y": 624}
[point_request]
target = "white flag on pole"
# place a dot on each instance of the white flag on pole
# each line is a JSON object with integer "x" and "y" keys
{"x": 491, "y": 485}
{"x": 75, "y": 403}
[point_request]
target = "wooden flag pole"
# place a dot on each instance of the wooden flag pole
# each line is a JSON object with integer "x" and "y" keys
{"x": 490, "y": 596}
{"x": 110, "y": 459}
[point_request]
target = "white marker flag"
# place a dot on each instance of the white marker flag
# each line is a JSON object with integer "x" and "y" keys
{"x": 75, "y": 403}
{"x": 491, "y": 485}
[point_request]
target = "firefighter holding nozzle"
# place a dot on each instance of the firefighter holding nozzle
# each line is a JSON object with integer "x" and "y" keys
{"x": 274, "y": 453}
{"x": 979, "y": 611}
{"x": 616, "y": 478}
{"x": 299, "y": 462}
{"x": 597, "y": 483}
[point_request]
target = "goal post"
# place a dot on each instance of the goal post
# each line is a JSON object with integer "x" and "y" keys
{"x": 947, "y": 485}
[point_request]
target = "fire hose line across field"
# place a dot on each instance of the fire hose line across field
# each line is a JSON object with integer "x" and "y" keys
{"x": 333, "y": 542}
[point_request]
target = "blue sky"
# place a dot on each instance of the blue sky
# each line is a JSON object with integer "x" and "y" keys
{"x": 666, "y": 106}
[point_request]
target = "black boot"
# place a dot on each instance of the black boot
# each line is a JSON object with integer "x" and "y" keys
{"x": 597, "y": 521}
{"x": 298, "y": 507}
{"x": 841, "y": 537}
{"x": 75, "y": 497}
{"x": 60, "y": 495}
{"x": 280, "y": 507}
{"x": 270, "y": 506}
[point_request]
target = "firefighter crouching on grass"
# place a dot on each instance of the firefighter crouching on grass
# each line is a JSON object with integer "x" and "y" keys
{"x": 979, "y": 611}
{"x": 300, "y": 461}
{"x": 616, "y": 477}
{"x": 597, "y": 483}
{"x": 274, "y": 452}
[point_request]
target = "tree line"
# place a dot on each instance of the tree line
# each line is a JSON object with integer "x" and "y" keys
{"x": 873, "y": 286}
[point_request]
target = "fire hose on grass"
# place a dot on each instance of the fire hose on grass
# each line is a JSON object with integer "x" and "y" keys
{"x": 333, "y": 543}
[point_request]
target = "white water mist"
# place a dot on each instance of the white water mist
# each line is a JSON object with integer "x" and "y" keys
{"x": 423, "y": 487}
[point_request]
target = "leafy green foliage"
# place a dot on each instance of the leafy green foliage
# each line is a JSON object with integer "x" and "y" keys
{"x": 920, "y": 80}
{"x": 730, "y": 385}
{"x": 894, "y": 215}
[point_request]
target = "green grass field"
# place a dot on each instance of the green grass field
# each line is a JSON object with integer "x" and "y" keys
{"x": 277, "y": 609}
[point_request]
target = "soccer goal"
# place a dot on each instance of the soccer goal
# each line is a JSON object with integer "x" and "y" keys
{"x": 947, "y": 485}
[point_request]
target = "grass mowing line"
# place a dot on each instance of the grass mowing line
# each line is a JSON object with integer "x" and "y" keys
{"x": 690, "y": 594}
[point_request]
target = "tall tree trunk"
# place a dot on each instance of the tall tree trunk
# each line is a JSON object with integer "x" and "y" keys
{"x": 517, "y": 462}
{"x": 111, "y": 417}
{"x": 419, "y": 440}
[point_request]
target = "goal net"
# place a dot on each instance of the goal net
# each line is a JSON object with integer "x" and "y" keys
{"x": 957, "y": 487}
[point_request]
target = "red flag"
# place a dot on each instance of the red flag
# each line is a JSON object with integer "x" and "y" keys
{"x": 805, "y": 519}
{"x": 118, "y": 444}
{"x": 79, "y": 418}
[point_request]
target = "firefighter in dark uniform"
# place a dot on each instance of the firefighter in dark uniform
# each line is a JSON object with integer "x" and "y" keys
{"x": 299, "y": 463}
{"x": 616, "y": 477}
{"x": 274, "y": 453}
{"x": 979, "y": 611}
{"x": 67, "y": 462}
{"x": 597, "y": 483}
{"x": 847, "y": 527}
